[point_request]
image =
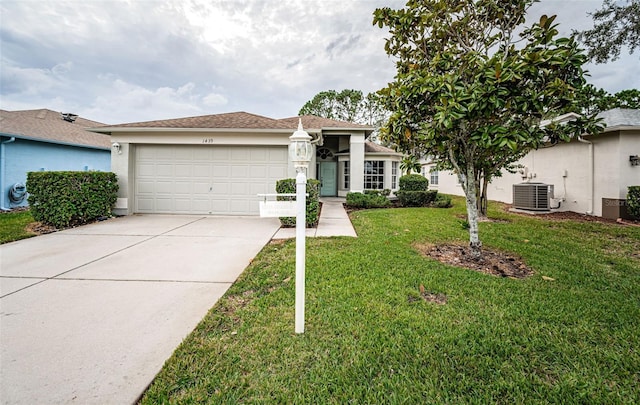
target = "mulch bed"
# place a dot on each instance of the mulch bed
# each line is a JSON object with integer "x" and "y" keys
{"x": 574, "y": 216}
{"x": 493, "y": 262}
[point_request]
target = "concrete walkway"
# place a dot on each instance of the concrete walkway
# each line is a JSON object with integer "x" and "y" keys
{"x": 334, "y": 221}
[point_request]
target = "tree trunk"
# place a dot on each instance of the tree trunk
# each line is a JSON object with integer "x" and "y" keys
{"x": 470, "y": 191}
{"x": 482, "y": 203}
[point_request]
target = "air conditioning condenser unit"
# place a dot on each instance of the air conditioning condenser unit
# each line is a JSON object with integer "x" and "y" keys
{"x": 532, "y": 196}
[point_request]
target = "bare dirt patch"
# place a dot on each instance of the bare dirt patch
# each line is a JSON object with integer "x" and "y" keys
{"x": 39, "y": 228}
{"x": 493, "y": 262}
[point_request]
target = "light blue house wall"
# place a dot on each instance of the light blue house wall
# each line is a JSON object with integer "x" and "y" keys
{"x": 24, "y": 155}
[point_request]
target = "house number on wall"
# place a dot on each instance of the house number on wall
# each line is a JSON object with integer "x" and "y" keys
{"x": 207, "y": 140}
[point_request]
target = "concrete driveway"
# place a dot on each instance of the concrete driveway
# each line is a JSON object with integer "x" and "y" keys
{"x": 89, "y": 315}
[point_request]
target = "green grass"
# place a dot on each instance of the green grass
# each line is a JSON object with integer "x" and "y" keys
{"x": 496, "y": 340}
{"x": 13, "y": 224}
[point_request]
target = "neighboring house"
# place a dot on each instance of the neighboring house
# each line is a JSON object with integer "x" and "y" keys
{"x": 39, "y": 140}
{"x": 589, "y": 174}
{"x": 217, "y": 164}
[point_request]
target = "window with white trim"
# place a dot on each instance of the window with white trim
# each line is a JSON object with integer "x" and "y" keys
{"x": 346, "y": 175}
{"x": 373, "y": 174}
{"x": 433, "y": 176}
{"x": 394, "y": 175}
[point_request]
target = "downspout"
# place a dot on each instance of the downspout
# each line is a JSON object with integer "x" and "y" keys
{"x": 3, "y": 164}
{"x": 590, "y": 199}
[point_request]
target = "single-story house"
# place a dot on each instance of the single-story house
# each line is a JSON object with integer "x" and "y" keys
{"x": 39, "y": 140}
{"x": 589, "y": 174}
{"x": 218, "y": 164}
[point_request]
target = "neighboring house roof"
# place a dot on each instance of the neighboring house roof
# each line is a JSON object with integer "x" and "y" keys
{"x": 49, "y": 126}
{"x": 619, "y": 118}
{"x": 236, "y": 121}
{"x": 372, "y": 147}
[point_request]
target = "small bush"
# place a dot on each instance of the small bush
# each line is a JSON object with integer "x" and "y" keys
{"x": 62, "y": 199}
{"x": 416, "y": 198}
{"x": 413, "y": 182}
{"x": 367, "y": 200}
{"x": 442, "y": 201}
{"x": 633, "y": 201}
{"x": 287, "y": 186}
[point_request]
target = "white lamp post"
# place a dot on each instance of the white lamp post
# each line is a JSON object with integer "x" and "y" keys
{"x": 300, "y": 151}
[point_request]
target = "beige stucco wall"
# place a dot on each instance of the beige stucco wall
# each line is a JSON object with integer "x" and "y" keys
{"x": 566, "y": 166}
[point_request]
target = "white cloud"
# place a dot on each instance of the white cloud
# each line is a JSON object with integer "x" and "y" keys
{"x": 125, "y": 61}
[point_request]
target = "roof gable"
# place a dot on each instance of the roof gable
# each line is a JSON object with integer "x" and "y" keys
{"x": 47, "y": 125}
{"x": 241, "y": 120}
{"x": 235, "y": 120}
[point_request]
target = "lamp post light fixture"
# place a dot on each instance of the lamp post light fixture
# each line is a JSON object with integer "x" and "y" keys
{"x": 300, "y": 152}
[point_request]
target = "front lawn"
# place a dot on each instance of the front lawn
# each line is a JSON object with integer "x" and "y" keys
{"x": 13, "y": 226}
{"x": 569, "y": 333}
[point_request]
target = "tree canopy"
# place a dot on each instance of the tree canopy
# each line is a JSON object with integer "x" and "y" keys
{"x": 473, "y": 87}
{"x": 596, "y": 100}
{"x": 615, "y": 25}
{"x": 347, "y": 105}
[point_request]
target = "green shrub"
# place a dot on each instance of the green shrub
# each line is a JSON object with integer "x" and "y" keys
{"x": 633, "y": 201}
{"x": 413, "y": 182}
{"x": 288, "y": 186}
{"x": 367, "y": 200}
{"x": 416, "y": 198}
{"x": 62, "y": 199}
{"x": 442, "y": 201}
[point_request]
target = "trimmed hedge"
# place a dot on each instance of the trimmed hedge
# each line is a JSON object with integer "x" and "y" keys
{"x": 369, "y": 199}
{"x": 442, "y": 201}
{"x": 414, "y": 191}
{"x": 62, "y": 199}
{"x": 416, "y": 198}
{"x": 288, "y": 186}
{"x": 413, "y": 182}
{"x": 633, "y": 201}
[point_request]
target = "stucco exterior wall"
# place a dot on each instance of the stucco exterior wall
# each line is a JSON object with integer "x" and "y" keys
{"x": 629, "y": 175}
{"x": 22, "y": 156}
{"x": 566, "y": 167}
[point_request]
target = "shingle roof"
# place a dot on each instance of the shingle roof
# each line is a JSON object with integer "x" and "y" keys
{"x": 620, "y": 117}
{"x": 370, "y": 147}
{"x": 47, "y": 125}
{"x": 241, "y": 120}
{"x": 234, "y": 120}
{"x": 314, "y": 122}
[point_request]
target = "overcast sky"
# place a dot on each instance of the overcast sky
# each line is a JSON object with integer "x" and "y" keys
{"x": 127, "y": 61}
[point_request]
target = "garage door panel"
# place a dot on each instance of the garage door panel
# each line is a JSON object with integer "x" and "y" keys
{"x": 258, "y": 172}
{"x": 221, "y": 154}
{"x": 241, "y": 154}
{"x": 221, "y": 171}
{"x": 184, "y": 170}
{"x": 277, "y": 172}
{"x": 164, "y": 170}
{"x": 206, "y": 179}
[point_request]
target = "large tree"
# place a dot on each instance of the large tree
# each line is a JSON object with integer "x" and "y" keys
{"x": 616, "y": 24}
{"x": 474, "y": 86}
{"x": 594, "y": 100}
{"x": 347, "y": 105}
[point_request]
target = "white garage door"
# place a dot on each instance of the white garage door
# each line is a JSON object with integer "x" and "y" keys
{"x": 205, "y": 179}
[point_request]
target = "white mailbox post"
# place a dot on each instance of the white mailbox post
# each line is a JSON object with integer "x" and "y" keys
{"x": 300, "y": 152}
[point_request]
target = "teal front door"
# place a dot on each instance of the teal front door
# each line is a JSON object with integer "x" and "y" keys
{"x": 328, "y": 179}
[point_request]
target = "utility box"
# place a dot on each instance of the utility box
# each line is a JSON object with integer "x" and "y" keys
{"x": 614, "y": 208}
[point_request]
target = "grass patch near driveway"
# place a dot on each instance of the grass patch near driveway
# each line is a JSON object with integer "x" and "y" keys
{"x": 13, "y": 226}
{"x": 569, "y": 333}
